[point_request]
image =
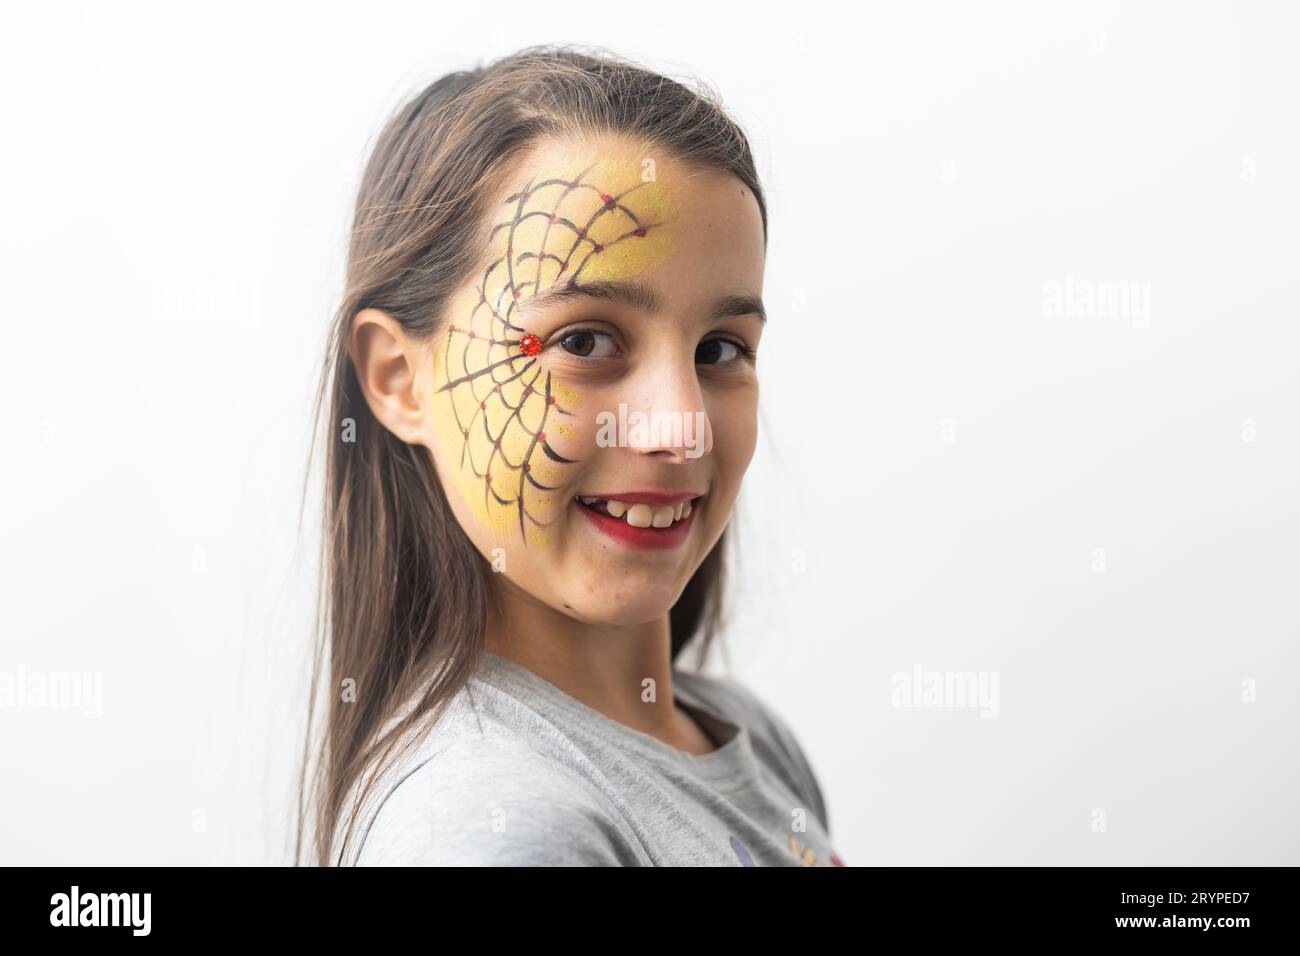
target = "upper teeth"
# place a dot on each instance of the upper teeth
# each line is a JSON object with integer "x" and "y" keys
{"x": 642, "y": 516}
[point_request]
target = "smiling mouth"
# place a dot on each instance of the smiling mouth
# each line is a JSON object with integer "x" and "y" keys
{"x": 637, "y": 515}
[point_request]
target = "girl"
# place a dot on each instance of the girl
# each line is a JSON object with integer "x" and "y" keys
{"x": 542, "y": 398}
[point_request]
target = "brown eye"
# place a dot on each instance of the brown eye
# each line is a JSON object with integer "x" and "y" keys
{"x": 717, "y": 352}
{"x": 588, "y": 344}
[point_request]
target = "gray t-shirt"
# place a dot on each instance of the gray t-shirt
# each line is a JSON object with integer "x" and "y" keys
{"x": 518, "y": 772}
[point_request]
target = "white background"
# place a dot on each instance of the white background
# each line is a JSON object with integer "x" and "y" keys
{"x": 944, "y": 454}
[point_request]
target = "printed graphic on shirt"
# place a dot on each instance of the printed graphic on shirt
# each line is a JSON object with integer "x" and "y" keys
{"x": 742, "y": 853}
{"x": 807, "y": 856}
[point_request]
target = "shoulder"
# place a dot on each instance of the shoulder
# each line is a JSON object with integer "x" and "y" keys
{"x": 775, "y": 742}
{"x": 478, "y": 792}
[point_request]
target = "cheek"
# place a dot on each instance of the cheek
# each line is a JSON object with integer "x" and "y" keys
{"x": 734, "y": 418}
{"x": 505, "y": 430}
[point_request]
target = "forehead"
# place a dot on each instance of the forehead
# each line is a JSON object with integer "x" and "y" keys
{"x": 607, "y": 209}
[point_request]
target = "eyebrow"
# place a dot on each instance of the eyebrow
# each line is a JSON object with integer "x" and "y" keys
{"x": 638, "y": 295}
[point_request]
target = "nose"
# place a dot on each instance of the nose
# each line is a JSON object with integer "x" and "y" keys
{"x": 667, "y": 417}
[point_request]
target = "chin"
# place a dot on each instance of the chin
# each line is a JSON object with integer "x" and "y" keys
{"x": 630, "y": 611}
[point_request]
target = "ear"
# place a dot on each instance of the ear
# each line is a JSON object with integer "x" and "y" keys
{"x": 386, "y": 363}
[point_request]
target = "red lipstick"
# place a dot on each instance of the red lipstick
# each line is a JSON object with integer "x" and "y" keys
{"x": 649, "y": 538}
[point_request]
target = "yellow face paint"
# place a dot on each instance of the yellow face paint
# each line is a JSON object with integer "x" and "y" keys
{"x": 577, "y": 221}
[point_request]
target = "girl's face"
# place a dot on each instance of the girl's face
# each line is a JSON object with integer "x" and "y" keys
{"x": 591, "y": 401}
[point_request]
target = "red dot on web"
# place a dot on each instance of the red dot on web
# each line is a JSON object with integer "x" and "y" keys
{"x": 530, "y": 344}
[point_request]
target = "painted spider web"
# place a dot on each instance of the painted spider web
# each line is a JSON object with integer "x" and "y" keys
{"x": 511, "y": 397}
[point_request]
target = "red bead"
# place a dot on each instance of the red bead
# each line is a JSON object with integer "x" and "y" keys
{"x": 530, "y": 344}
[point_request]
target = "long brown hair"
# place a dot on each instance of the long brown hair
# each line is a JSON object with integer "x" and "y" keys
{"x": 403, "y": 591}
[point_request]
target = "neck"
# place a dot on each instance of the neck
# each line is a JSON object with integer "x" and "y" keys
{"x": 603, "y": 666}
